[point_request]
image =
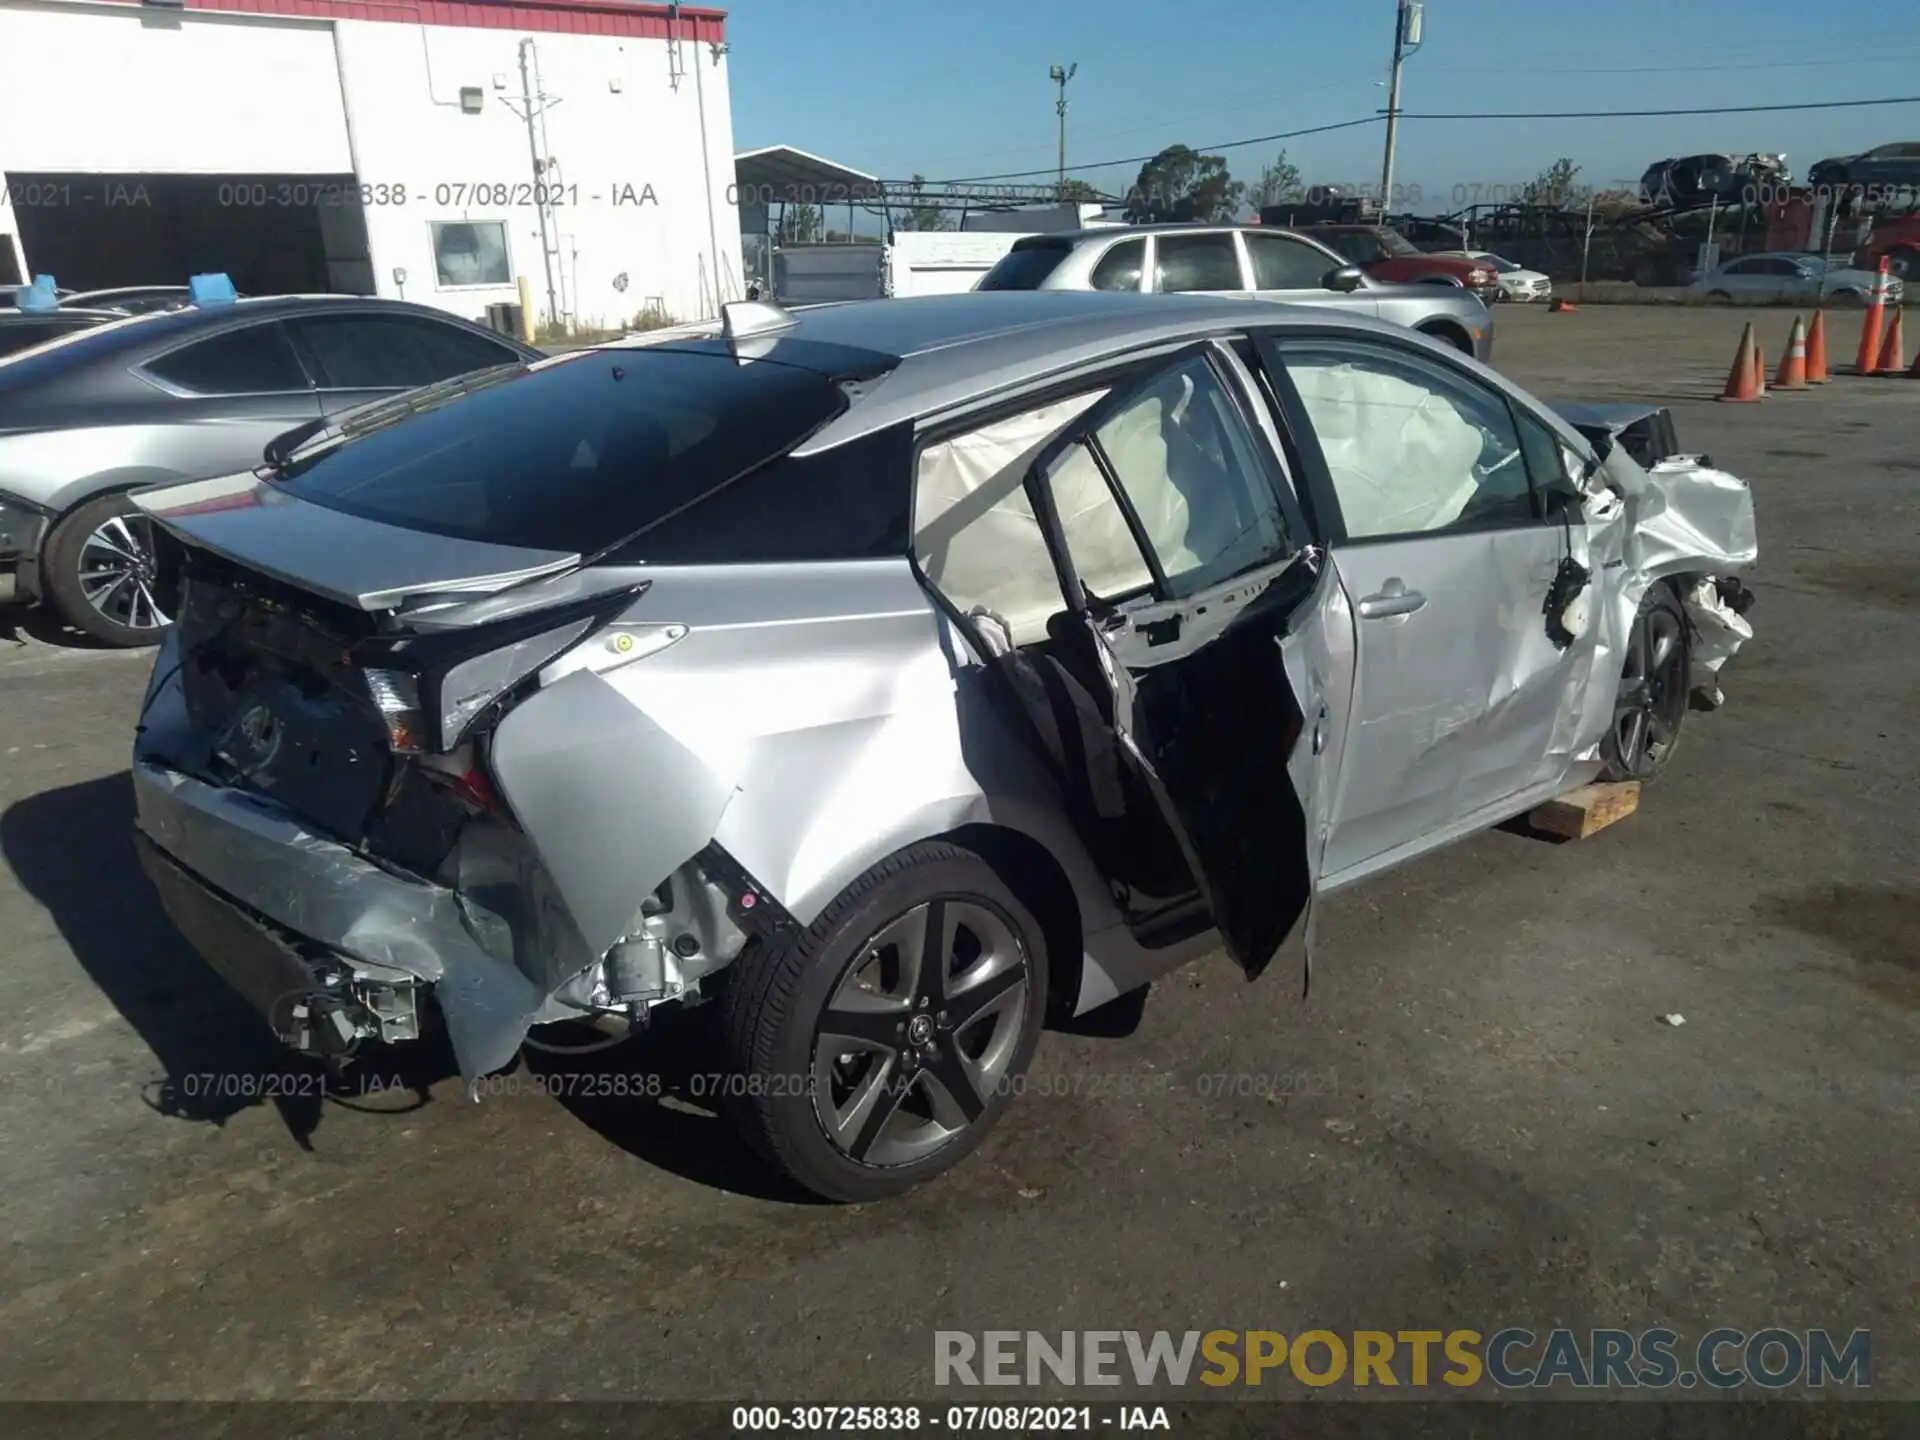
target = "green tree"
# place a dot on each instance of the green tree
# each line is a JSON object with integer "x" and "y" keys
{"x": 1179, "y": 184}
{"x": 1278, "y": 183}
{"x": 1553, "y": 186}
{"x": 800, "y": 225}
{"x": 922, "y": 215}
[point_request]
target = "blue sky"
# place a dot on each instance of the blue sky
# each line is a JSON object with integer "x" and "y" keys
{"x": 954, "y": 91}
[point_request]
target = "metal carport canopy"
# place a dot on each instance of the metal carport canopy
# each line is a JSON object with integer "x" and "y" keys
{"x": 780, "y": 174}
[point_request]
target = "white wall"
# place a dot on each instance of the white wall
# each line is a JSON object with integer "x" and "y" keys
{"x": 636, "y": 198}
{"x": 145, "y": 92}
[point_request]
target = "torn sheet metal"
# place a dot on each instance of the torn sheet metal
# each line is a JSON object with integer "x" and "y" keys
{"x": 322, "y": 891}
{"x": 1718, "y": 631}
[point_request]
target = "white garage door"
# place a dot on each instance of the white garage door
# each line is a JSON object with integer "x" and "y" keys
{"x": 112, "y": 92}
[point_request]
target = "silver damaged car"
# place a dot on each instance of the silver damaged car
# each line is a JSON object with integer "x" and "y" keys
{"x": 894, "y": 676}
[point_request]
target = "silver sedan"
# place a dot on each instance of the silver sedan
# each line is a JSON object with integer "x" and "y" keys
{"x": 1795, "y": 278}
{"x": 1254, "y": 261}
{"x": 895, "y": 675}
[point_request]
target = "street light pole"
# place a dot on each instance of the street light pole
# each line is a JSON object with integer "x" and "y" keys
{"x": 1060, "y": 77}
{"x": 1393, "y": 103}
{"x": 1408, "y": 19}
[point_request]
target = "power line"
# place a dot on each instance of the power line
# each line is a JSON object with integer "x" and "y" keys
{"x": 1198, "y": 149}
{"x": 1899, "y": 58}
{"x": 1642, "y": 114}
{"x": 1463, "y": 115}
{"x": 1161, "y": 125}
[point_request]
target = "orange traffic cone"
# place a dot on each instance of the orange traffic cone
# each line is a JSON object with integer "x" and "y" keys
{"x": 1792, "y": 374}
{"x": 1562, "y": 307}
{"x": 1743, "y": 379}
{"x": 1892, "y": 359}
{"x": 1759, "y": 368}
{"x": 1817, "y": 350}
{"x": 1869, "y": 352}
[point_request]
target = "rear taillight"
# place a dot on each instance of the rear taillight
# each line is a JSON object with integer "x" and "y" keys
{"x": 396, "y": 695}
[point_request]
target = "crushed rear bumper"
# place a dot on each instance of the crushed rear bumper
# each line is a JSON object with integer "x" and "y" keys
{"x": 267, "y": 902}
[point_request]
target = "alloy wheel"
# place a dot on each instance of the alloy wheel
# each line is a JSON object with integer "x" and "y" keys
{"x": 920, "y": 1032}
{"x": 119, "y": 573}
{"x": 1653, "y": 692}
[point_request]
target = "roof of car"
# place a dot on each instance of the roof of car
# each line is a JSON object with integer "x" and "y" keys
{"x": 1121, "y": 232}
{"x": 953, "y": 349}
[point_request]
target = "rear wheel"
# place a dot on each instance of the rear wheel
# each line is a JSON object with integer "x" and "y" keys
{"x": 1448, "y": 335}
{"x": 101, "y": 576}
{"x": 876, "y": 1049}
{"x": 1652, "y": 701}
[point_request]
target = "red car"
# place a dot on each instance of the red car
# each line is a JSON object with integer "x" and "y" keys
{"x": 1389, "y": 256}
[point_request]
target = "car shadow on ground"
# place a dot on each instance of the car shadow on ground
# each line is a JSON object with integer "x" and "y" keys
{"x": 71, "y": 849}
{"x": 33, "y": 624}
{"x": 659, "y": 1096}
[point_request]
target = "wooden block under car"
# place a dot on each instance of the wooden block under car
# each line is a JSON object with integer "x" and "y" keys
{"x": 1578, "y": 813}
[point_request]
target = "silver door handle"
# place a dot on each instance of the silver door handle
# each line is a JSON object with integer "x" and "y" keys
{"x": 1391, "y": 602}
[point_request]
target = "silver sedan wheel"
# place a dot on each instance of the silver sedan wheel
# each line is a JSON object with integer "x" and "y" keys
{"x": 1653, "y": 692}
{"x": 920, "y": 1031}
{"x": 119, "y": 574}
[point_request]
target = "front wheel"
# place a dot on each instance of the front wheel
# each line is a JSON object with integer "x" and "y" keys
{"x": 102, "y": 576}
{"x": 876, "y": 1049}
{"x": 1652, "y": 700}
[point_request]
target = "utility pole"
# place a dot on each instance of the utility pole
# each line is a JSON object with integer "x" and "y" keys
{"x": 1060, "y": 77}
{"x": 539, "y": 180}
{"x": 1406, "y": 39}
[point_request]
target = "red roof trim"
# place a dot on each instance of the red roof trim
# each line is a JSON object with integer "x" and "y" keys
{"x": 630, "y": 19}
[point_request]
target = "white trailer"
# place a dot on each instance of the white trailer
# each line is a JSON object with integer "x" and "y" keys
{"x": 941, "y": 262}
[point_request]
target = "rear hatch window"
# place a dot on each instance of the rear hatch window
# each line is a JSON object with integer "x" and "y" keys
{"x": 1026, "y": 266}
{"x": 573, "y": 456}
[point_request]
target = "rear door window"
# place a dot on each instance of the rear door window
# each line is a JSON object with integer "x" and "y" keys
{"x": 254, "y": 360}
{"x": 1025, "y": 267}
{"x": 385, "y": 352}
{"x": 1184, "y": 263}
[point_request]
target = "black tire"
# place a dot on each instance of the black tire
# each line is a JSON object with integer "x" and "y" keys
{"x": 777, "y": 996}
{"x": 1447, "y": 335}
{"x": 1661, "y": 697}
{"x": 1719, "y": 297}
{"x": 68, "y": 560}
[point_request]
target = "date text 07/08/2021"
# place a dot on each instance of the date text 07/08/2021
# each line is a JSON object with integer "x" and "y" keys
{"x": 960, "y": 1419}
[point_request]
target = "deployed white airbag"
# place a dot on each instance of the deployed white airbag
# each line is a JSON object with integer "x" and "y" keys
{"x": 1403, "y": 457}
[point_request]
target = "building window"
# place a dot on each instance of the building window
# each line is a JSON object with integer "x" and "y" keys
{"x": 471, "y": 252}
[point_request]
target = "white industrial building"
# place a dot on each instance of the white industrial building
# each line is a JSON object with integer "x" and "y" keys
{"x": 389, "y": 149}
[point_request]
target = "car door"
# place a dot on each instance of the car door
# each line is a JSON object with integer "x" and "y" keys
{"x": 361, "y": 356}
{"x": 236, "y": 390}
{"x": 1217, "y": 633}
{"x": 1441, "y": 505}
{"x": 1289, "y": 269}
